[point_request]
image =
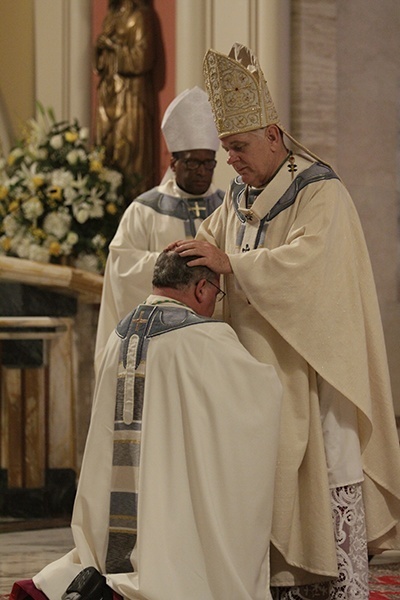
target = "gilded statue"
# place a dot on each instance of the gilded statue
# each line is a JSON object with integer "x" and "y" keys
{"x": 124, "y": 60}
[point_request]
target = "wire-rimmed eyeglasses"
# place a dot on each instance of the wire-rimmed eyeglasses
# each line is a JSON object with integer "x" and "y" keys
{"x": 221, "y": 294}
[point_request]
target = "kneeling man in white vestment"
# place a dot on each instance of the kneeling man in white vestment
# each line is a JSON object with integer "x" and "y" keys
{"x": 175, "y": 494}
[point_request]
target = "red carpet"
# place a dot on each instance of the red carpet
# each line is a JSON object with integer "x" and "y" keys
{"x": 384, "y": 582}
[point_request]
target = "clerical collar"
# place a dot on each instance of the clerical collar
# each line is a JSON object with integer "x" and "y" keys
{"x": 155, "y": 300}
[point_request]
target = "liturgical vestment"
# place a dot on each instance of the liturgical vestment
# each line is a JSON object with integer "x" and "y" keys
{"x": 209, "y": 437}
{"x": 151, "y": 222}
{"x": 302, "y": 297}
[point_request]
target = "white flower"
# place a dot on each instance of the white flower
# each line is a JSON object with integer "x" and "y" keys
{"x": 72, "y": 157}
{"x": 87, "y": 262}
{"x": 75, "y": 156}
{"x": 61, "y": 178}
{"x": 82, "y": 214}
{"x": 32, "y": 208}
{"x": 83, "y": 133}
{"x": 37, "y": 153}
{"x": 39, "y": 253}
{"x": 112, "y": 177}
{"x": 72, "y": 238}
{"x": 70, "y": 195}
{"x": 97, "y": 210}
{"x": 56, "y": 142}
{"x": 37, "y": 130}
{"x": 16, "y": 153}
{"x": 57, "y": 224}
{"x": 22, "y": 248}
{"x": 32, "y": 178}
{"x": 80, "y": 183}
{"x": 10, "y": 225}
{"x": 97, "y": 204}
{"x": 99, "y": 241}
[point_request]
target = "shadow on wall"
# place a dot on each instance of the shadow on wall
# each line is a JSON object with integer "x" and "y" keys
{"x": 5, "y": 129}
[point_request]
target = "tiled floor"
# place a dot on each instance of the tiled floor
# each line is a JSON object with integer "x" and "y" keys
{"x": 24, "y": 553}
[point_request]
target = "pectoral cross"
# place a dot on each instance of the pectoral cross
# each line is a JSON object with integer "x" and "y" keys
{"x": 197, "y": 209}
{"x": 139, "y": 320}
{"x": 292, "y": 165}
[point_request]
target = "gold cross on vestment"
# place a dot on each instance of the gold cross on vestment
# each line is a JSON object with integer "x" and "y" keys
{"x": 196, "y": 208}
{"x": 139, "y": 321}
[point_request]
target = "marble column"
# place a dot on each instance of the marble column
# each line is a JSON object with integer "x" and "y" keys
{"x": 62, "y": 32}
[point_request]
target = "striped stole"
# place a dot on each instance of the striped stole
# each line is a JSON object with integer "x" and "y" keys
{"x": 135, "y": 331}
{"x": 126, "y": 447}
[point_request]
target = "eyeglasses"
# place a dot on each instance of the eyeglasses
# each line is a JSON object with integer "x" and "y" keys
{"x": 192, "y": 163}
{"x": 221, "y": 294}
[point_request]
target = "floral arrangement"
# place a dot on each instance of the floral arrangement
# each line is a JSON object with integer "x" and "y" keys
{"x": 59, "y": 203}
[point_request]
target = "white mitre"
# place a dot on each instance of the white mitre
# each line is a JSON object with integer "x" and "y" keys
{"x": 188, "y": 123}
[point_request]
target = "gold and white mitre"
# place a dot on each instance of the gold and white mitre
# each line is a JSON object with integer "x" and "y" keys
{"x": 238, "y": 92}
{"x": 239, "y": 95}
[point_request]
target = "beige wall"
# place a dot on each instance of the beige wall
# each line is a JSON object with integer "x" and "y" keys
{"x": 346, "y": 90}
{"x": 368, "y": 139}
{"x": 17, "y": 61}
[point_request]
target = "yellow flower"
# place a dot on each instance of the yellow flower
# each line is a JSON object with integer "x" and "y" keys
{"x": 37, "y": 181}
{"x": 96, "y": 165}
{"x": 6, "y": 244}
{"x": 71, "y": 136}
{"x": 13, "y": 206}
{"x": 3, "y": 192}
{"x": 111, "y": 208}
{"x": 38, "y": 233}
{"x": 10, "y": 160}
{"x": 55, "y": 249}
{"x": 55, "y": 192}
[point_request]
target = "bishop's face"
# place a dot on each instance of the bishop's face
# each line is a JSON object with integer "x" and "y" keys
{"x": 194, "y": 170}
{"x": 252, "y": 155}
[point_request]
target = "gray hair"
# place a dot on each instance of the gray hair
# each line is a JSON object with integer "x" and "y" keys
{"x": 171, "y": 271}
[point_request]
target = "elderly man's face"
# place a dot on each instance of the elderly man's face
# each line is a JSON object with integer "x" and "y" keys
{"x": 251, "y": 155}
{"x": 194, "y": 170}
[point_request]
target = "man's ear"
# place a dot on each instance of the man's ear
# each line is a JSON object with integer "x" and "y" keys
{"x": 273, "y": 135}
{"x": 199, "y": 290}
{"x": 172, "y": 163}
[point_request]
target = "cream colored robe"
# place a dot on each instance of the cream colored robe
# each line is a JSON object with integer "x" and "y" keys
{"x": 205, "y": 502}
{"x": 306, "y": 302}
{"x": 142, "y": 234}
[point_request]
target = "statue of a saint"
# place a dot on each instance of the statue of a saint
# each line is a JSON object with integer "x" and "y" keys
{"x": 125, "y": 56}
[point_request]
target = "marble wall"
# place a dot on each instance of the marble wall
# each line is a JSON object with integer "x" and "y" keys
{"x": 345, "y": 107}
{"x": 47, "y": 343}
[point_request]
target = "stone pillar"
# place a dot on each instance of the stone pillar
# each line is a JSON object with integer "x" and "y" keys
{"x": 62, "y": 32}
